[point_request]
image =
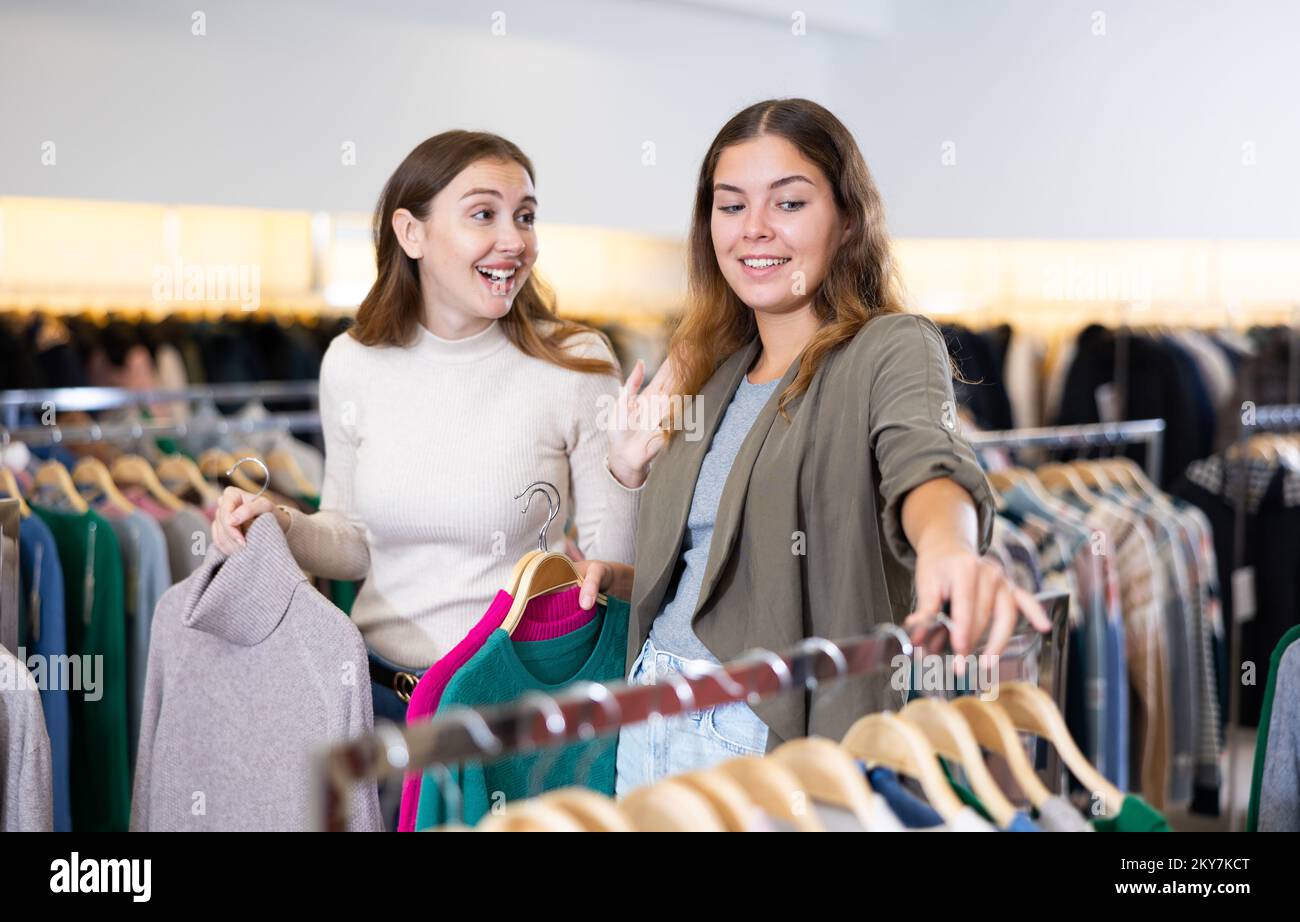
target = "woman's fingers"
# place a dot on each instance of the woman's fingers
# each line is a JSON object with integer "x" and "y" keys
{"x": 1004, "y": 620}
{"x": 1031, "y": 608}
{"x": 594, "y": 575}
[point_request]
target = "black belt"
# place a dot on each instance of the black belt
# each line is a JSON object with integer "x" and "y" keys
{"x": 401, "y": 682}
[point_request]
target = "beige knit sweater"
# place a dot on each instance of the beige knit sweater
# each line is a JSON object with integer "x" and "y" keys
{"x": 425, "y": 448}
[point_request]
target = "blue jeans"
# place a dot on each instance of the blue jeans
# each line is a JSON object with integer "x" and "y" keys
{"x": 655, "y": 749}
{"x": 389, "y": 706}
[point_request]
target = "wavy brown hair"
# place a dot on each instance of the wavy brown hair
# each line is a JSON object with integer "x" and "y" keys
{"x": 861, "y": 283}
{"x": 391, "y": 310}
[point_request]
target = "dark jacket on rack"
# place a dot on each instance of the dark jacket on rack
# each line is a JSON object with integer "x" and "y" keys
{"x": 808, "y": 541}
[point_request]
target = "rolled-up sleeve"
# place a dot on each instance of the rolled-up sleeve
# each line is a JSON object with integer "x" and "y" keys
{"x": 913, "y": 425}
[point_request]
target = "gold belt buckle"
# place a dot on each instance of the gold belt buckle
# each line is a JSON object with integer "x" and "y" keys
{"x": 404, "y": 684}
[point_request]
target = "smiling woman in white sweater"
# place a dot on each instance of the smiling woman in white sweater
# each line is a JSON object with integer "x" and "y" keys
{"x": 457, "y": 387}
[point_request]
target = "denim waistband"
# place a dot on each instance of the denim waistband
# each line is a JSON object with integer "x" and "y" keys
{"x": 690, "y": 668}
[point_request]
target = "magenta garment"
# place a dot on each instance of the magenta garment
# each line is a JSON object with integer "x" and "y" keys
{"x": 545, "y": 618}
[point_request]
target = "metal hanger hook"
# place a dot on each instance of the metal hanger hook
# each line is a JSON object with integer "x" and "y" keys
{"x": 556, "y": 727}
{"x": 266, "y": 481}
{"x": 552, "y": 506}
{"x": 832, "y": 651}
{"x": 779, "y": 670}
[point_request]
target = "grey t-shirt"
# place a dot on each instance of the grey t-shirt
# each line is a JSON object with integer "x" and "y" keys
{"x": 671, "y": 631}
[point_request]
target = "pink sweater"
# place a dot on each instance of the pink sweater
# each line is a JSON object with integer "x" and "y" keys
{"x": 545, "y": 618}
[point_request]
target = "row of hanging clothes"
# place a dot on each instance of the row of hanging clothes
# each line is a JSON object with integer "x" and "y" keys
{"x": 40, "y": 349}
{"x": 1148, "y": 678}
{"x": 923, "y": 768}
{"x": 107, "y": 521}
{"x": 1194, "y": 379}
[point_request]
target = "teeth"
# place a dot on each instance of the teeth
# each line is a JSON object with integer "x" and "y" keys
{"x": 496, "y": 273}
{"x": 764, "y": 263}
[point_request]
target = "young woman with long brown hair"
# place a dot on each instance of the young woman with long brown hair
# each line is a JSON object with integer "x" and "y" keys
{"x": 830, "y": 491}
{"x": 457, "y": 387}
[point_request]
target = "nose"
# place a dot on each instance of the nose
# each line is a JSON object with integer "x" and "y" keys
{"x": 756, "y": 226}
{"x": 510, "y": 242}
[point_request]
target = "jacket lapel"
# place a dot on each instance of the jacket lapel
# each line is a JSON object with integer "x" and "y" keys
{"x": 660, "y": 544}
{"x": 726, "y": 524}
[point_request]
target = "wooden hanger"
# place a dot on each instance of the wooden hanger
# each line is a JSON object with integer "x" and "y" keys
{"x": 592, "y": 811}
{"x": 529, "y": 816}
{"x": 544, "y": 574}
{"x": 733, "y": 806}
{"x": 952, "y": 738}
{"x": 1005, "y": 478}
{"x": 996, "y": 733}
{"x": 179, "y": 469}
{"x": 669, "y": 806}
{"x": 9, "y": 484}
{"x": 774, "y": 789}
{"x": 1092, "y": 474}
{"x": 1063, "y": 477}
{"x": 214, "y": 463}
{"x": 133, "y": 470}
{"x": 1032, "y": 710}
{"x": 888, "y": 740}
{"x": 54, "y": 475}
{"x": 284, "y": 467}
{"x": 517, "y": 574}
{"x": 91, "y": 472}
{"x": 829, "y": 774}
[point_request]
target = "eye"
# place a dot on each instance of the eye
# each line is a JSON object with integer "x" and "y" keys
{"x": 484, "y": 214}
{"x": 527, "y": 219}
{"x": 794, "y": 206}
{"x": 730, "y": 209}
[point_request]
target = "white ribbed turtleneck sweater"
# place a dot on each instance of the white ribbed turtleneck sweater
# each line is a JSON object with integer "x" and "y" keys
{"x": 425, "y": 448}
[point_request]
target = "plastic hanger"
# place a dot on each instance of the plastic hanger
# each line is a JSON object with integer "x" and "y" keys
{"x": 135, "y": 470}
{"x": 1032, "y": 710}
{"x": 91, "y": 472}
{"x": 952, "y": 738}
{"x": 996, "y": 733}
{"x": 829, "y": 774}
{"x": 669, "y": 806}
{"x": 53, "y": 474}
{"x": 886, "y": 739}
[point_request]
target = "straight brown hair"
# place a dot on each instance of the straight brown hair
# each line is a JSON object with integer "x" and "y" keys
{"x": 389, "y": 313}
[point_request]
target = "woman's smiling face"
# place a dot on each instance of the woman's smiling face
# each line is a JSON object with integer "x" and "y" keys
{"x": 775, "y": 225}
{"x": 478, "y": 245}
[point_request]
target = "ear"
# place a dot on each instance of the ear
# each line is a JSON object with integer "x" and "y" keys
{"x": 410, "y": 233}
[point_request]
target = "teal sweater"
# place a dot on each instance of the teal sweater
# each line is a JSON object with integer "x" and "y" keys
{"x": 505, "y": 670}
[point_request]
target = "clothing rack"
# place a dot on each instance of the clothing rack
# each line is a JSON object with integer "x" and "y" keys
{"x": 1148, "y": 431}
{"x": 39, "y": 436}
{"x": 1269, "y": 418}
{"x": 587, "y": 710}
{"x": 90, "y": 399}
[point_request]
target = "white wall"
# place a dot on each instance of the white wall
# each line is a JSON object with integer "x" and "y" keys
{"x": 1058, "y": 132}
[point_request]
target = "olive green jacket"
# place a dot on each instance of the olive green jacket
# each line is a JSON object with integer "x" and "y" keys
{"x": 808, "y": 541}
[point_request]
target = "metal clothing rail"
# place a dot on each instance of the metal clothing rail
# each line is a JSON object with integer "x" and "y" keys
{"x": 1268, "y": 418}
{"x": 587, "y": 710}
{"x": 89, "y": 399}
{"x": 1129, "y": 432}
{"x": 39, "y": 436}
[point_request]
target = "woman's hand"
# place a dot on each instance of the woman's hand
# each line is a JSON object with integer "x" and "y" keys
{"x": 980, "y": 594}
{"x": 235, "y": 511}
{"x": 635, "y": 437}
{"x": 603, "y": 576}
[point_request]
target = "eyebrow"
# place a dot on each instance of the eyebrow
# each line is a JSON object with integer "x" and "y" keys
{"x": 493, "y": 192}
{"x": 724, "y": 187}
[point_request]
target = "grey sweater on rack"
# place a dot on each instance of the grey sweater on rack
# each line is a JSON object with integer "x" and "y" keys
{"x": 26, "y": 779}
{"x": 251, "y": 672}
